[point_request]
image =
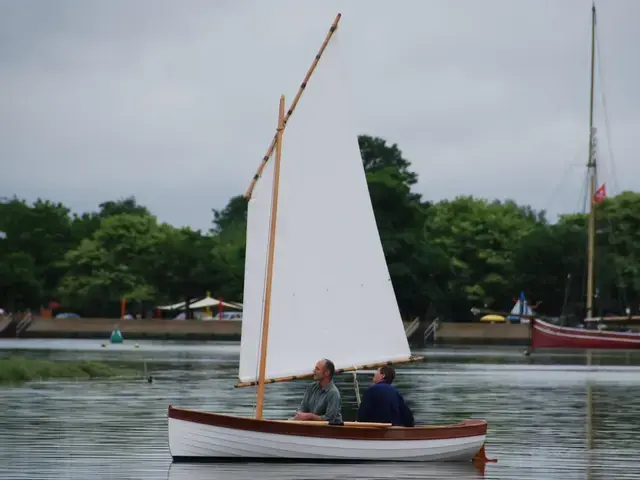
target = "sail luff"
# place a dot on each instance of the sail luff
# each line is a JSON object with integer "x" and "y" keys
{"x": 269, "y": 279}
{"x": 303, "y": 85}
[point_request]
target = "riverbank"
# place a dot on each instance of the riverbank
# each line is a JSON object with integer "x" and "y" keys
{"x": 447, "y": 333}
{"x": 134, "y": 329}
{"x": 21, "y": 369}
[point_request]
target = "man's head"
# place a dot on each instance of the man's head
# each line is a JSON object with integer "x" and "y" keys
{"x": 324, "y": 371}
{"x": 386, "y": 373}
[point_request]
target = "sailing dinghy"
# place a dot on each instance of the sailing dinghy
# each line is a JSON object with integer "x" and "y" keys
{"x": 316, "y": 286}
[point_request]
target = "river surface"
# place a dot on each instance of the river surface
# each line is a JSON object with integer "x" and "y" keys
{"x": 550, "y": 416}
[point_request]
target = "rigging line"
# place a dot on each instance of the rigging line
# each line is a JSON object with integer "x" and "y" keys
{"x": 605, "y": 113}
{"x": 617, "y": 249}
{"x": 562, "y": 180}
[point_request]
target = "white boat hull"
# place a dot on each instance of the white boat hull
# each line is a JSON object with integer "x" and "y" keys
{"x": 194, "y": 441}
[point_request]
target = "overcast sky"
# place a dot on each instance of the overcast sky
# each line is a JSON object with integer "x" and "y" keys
{"x": 176, "y": 102}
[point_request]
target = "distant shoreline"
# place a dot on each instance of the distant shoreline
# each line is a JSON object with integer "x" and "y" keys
{"x": 447, "y": 333}
{"x": 132, "y": 329}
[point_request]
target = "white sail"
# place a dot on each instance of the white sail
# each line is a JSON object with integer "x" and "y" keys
{"x": 332, "y": 295}
{"x": 258, "y": 217}
{"x": 521, "y": 307}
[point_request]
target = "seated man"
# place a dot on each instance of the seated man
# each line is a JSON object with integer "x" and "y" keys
{"x": 383, "y": 403}
{"x": 322, "y": 400}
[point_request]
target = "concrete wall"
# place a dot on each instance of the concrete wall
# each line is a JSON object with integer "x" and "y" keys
{"x": 6, "y": 324}
{"x": 447, "y": 333}
{"x": 482, "y": 333}
{"x": 134, "y": 329}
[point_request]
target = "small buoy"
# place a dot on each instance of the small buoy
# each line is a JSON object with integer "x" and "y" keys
{"x": 116, "y": 336}
{"x": 137, "y": 346}
{"x": 104, "y": 345}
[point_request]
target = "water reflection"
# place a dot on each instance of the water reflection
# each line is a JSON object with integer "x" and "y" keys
{"x": 271, "y": 471}
{"x": 537, "y": 410}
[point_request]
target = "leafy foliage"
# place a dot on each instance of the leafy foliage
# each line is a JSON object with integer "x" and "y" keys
{"x": 443, "y": 257}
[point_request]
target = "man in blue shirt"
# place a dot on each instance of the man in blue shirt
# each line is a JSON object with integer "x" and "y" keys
{"x": 383, "y": 403}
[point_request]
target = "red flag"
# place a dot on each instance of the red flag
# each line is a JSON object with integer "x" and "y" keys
{"x": 600, "y": 194}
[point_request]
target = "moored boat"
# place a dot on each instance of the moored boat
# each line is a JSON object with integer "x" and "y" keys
{"x": 593, "y": 332}
{"x": 548, "y": 335}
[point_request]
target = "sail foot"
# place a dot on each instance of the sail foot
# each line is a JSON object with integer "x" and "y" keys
{"x": 412, "y": 359}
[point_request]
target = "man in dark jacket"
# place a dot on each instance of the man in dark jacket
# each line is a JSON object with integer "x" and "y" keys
{"x": 383, "y": 403}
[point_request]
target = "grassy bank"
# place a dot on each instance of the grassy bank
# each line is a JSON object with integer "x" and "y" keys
{"x": 21, "y": 369}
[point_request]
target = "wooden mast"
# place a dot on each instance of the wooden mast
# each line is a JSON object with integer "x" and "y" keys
{"x": 267, "y": 155}
{"x": 591, "y": 165}
{"x": 272, "y": 237}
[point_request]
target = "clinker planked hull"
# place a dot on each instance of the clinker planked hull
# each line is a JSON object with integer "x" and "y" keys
{"x": 198, "y": 436}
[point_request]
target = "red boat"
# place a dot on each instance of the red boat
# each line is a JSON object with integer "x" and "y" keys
{"x": 547, "y": 335}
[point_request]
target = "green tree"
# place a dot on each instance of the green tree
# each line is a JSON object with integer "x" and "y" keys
{"x": 184, "y": 267}
{"x": 414, "y": 263}
{"x": 232, "y": 217}
{"x": 112, "y": 264}
{"x": 618, "y": 253}
{"x": 549, "y": 265}
{"x": 36, "y": 237}
{"x": 19, "y": 287}
{"x": 447, "y": 256}
{"x": 127, "y": 205}
{"x": 229, "y": 243}
{"x": 480, "y": 238}
{"x": 377, "y": 156}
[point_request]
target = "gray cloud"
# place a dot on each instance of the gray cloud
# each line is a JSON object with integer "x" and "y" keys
{"x": 176, "y": 102}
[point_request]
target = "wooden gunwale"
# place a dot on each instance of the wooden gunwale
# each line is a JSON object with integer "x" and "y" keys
{"x": 467, "y": 428}
{"x": 552, "y": 329}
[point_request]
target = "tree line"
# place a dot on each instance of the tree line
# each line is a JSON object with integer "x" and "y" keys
{"x": 444, "y": 257}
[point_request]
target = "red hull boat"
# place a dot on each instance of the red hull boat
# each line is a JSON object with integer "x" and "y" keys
{"x": 547, "y": 335}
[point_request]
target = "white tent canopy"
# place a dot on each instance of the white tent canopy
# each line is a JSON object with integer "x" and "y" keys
{"x": 175, "y": 306}
{"x": 211, "y": 302}
{"x": 203, "y": 303}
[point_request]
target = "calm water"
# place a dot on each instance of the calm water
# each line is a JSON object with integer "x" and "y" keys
{"x": 537, "y": 410}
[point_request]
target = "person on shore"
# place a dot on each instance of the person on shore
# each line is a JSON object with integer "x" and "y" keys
{"x": 321, "y": 400}
{"x": 383, "y": 403}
